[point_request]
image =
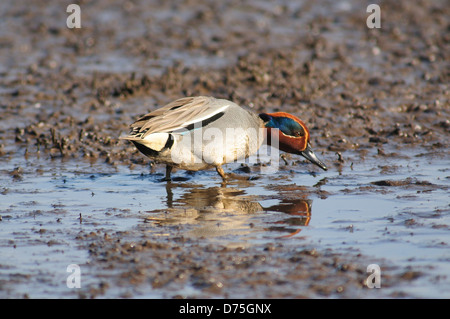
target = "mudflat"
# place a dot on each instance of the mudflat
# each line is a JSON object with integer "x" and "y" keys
{"x": 375, "y": 100}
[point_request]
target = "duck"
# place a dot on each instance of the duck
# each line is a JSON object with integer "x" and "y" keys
{"x": 203, "y": 132}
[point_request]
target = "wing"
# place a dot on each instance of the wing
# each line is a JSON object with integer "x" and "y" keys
{"x": 181, "y": 114}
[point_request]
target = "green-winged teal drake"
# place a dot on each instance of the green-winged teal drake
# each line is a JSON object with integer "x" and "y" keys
{"x": 195, "y": 133}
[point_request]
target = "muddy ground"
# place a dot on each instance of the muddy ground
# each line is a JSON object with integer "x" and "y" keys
{"x": 68, "y": 94}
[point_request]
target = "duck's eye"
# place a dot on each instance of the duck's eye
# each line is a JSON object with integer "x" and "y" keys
{"x": 299, "y": 133}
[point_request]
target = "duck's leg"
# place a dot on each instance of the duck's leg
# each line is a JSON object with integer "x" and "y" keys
{"x": 219, "y": 170}
{"x": 168, "y": 171}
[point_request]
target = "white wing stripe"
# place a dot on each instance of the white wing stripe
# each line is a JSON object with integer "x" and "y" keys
{"x": 207, "y": 116}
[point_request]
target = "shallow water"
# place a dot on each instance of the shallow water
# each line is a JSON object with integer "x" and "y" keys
{"x": 49, "y": 203}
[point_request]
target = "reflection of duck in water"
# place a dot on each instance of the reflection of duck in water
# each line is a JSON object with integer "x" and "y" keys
{"x": 299, "y": 209}
{"x": 222, "y": 211}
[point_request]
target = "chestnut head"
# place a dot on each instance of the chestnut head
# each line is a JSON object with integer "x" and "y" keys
{"x": 292, "y": 134}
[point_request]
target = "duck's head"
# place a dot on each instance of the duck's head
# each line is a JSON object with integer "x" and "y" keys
{"x": 292, "y": 134}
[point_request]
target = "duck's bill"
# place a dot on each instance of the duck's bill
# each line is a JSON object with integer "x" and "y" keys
{"x": 310, "y": 156}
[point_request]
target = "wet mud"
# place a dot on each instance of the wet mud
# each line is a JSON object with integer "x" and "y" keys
{"x": 375, "y": 100}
